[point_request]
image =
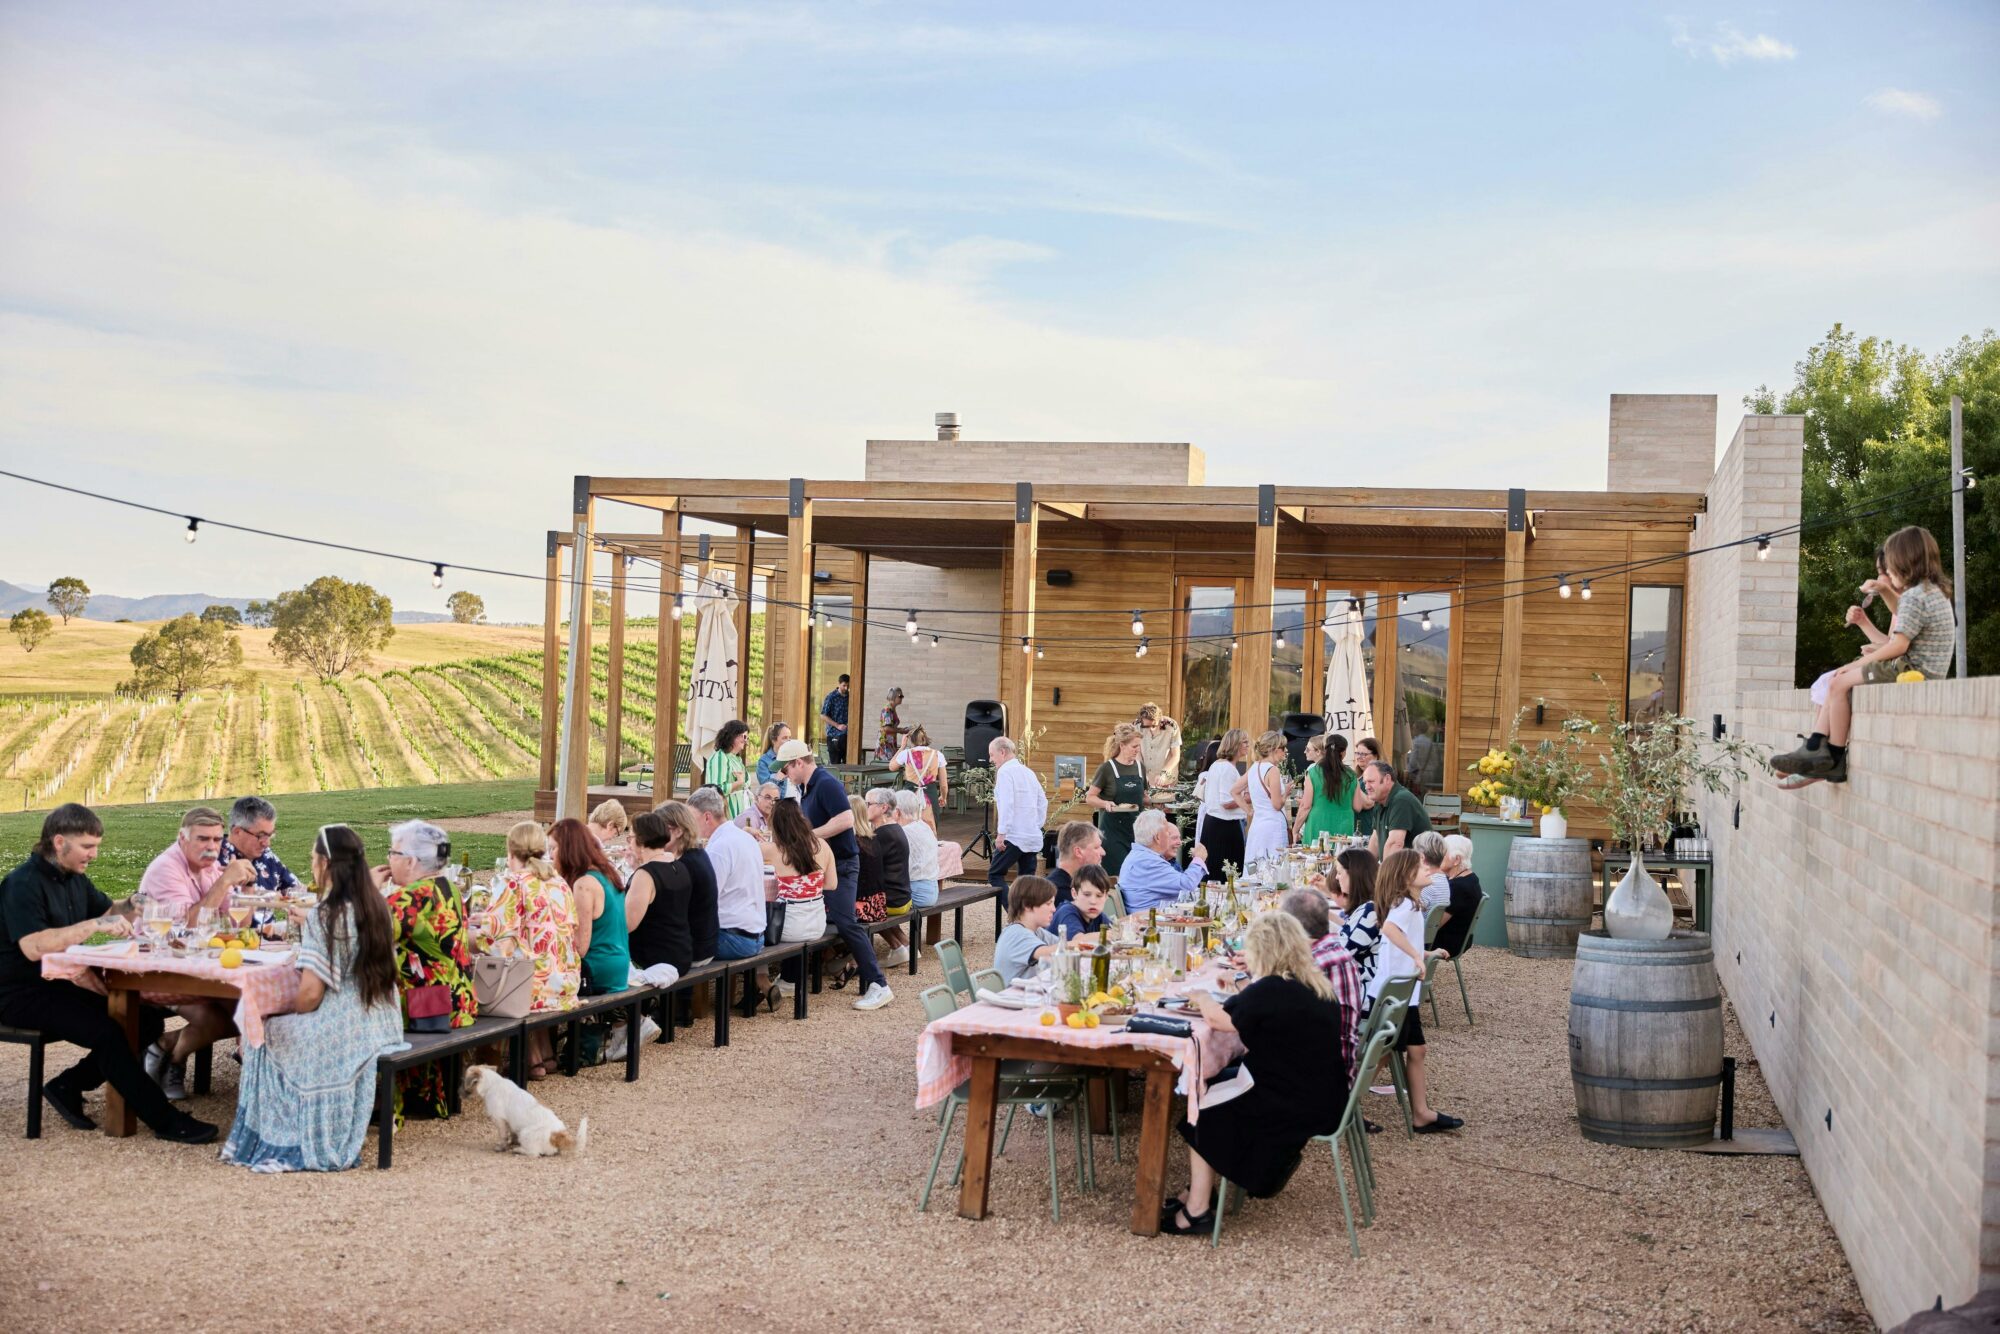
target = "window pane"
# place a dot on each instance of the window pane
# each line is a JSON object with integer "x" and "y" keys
{"x": 1210, "y": 621}
{"x": 1653, "y": 656}
{"x": 832, "y": 654}
{"x": 1420, "y": 687}
{"x": 1351, "y": 701}
{"x": 1288, "y": 658}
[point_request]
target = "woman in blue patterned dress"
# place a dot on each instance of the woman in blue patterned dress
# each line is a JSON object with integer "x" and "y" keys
{"x": 309, "y": 1091}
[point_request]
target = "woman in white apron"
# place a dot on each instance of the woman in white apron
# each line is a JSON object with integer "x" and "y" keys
{"x": 1262, "y": 791}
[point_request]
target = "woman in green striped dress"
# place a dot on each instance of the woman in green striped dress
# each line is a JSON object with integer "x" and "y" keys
{"x": 725, "y": 769}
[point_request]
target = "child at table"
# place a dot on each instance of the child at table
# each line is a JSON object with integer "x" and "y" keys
{"x": 1031, "y": 906}
{"x": 1088, "y": 910}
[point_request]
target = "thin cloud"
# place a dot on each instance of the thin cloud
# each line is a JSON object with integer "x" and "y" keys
{"x": 1726, "y": 44}
{"x": 1902, "y": 102}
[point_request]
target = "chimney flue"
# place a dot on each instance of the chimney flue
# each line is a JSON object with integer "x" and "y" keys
{"x": 947, "y": 425}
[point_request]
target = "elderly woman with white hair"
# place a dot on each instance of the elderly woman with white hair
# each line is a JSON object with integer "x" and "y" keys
{"x": 910, "y": 813}
{"x": 1465, "y": 894}
{"x": 433, "y": 954}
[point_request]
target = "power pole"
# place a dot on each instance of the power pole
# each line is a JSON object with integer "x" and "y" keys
{"x": 1958, "y": 481}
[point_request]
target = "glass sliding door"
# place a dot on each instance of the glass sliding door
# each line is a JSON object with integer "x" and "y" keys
{"x": 1288, "y": 653}
{"x": 832, "y": 654}
{"x": 1423, "y": 636}
{"x": 1208, "y": 621}
{"x": 1653, "y": 653}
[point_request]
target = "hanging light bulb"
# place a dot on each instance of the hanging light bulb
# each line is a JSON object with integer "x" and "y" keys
{"x": 675, "y": 610}
{"x": 1138, "y": 624}
{"x": 1354, "y": 605}
{"x": 437, "y": 576}
{"x": 1426, "y": 621}
{"x": 1142, "y": 649}
{"x": 1232, "y": 645}
{"x": 1585, "y": 590}
{"x": 1764, "y": 547}
{"x": 1971, "y": 482}
{"x": 1039, "y": 653}
{"x": 910, "y": 624}
{"x": 1026, "y": 647}
{"x": 1562, "y": 585}
{"x": 934, "y": 640}
{"x": 193, "y": 526}
{"x": 1281, "y": 639}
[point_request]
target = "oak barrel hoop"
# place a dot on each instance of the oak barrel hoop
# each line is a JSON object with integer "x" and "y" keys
{"x": 1549, "y": 896}
{"x": 1645, "y": 1040}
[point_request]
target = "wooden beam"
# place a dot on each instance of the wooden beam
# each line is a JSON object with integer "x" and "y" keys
{"x": 551, "y": 664}
{"x": 614, "y": 679}
{"x": 1252, "y": 677}
{"x": 667, "y": 673}
{"x": 1074, "y": 509}
{"x": 1021, "y": 600}
{"x": 1510, "y": 611}
{"x": 857, "y": 638}
{"x": 797, "y": 639}
{"x": 1333, "y": 517}
{"x": 745, "y": 565}
{"x": 704, "y": 558}
{"x": 573, "y": 777}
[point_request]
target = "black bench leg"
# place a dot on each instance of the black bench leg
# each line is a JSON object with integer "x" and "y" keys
{"x": 916, "y": 951}
{"x": 454, "y": 1082}
{"x": 669, "y": 1003}
{"x": 204, "y": 1068}
{"x": 634, "y": 1039}
{"x": 385, "y": 1118}
{"x": 958, "y": 924}
{"x": 722, "y": 1010}
{"x": 35, "y": 1090}
{"x": 517, "y": 1057}
{"x": 570, "y": 1053}
{"x": 799, "y": 992}
{"x": 818, "y": 962}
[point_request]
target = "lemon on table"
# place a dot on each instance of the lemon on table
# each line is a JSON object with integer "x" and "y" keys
{"x": 1090, "y": 1019}
{"x": 250, "y": 940}
{"x": 1075, "y": 1020}
{"x": 231, "y": 958}
{"x": 216, "y": 942}
{"x": 1048, "y": 1018}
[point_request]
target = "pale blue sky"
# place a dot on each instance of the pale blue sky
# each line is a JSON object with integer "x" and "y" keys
{"x": 393, "y": 272}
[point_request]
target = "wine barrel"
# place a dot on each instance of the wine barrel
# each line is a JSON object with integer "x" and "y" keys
{"x": 1549, "y": 896}
{"x": 1645, "y": 1040}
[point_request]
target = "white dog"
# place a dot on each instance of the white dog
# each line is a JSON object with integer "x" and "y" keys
{"x": 526, "y": 1126}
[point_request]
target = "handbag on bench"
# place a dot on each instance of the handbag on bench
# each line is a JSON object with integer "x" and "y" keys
{"x": 504, "y": 983}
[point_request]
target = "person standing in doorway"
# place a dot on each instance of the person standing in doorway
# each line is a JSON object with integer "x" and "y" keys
{"x": 833, "y": 722}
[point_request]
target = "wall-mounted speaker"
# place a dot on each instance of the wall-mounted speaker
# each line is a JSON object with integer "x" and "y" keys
{"x": 1061, "y": 578}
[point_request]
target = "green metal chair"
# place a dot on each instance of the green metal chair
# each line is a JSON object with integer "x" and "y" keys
{"x": 986, "y": 979}
{"x": 1388, "y": 1013}
{"x": 1348, "y": 1141}
{"x": 1431, "y": 967}
{"x": 1017, "y": 1089}
{"x": 1433, "y": 920}
{"x": 952, "y": 959}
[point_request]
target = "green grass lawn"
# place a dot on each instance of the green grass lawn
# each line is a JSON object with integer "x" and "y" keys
{"x": 134, "y": 835}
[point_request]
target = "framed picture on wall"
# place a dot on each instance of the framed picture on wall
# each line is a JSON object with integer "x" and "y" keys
{"x": 1070, "y": 767}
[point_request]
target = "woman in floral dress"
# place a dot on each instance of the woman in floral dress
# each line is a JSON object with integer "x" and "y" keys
{"x": 889, "y": 738}
{"x": 433, "y": 948}
{"x": 533, "y": 905}
{"x": 308, "y": 1091}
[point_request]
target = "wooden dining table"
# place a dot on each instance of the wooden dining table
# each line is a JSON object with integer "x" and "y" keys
{"x": 268, "y": 986}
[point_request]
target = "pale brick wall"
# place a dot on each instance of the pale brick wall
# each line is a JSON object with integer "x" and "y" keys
{"x": 1662, "y": 442}
{"x": 1086, "y": 463}
{"x": 937, "y": 682}
{"x": 1856, "y": 936}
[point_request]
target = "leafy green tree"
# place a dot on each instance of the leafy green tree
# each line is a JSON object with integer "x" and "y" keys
{"x": 257, "y": 613}
{"x": 330, "y": 626}
{"x": 466, "y": 608}
{"x": 186, "y": 654}
{"x": 1877, "y": 457}
{"x": 69, "y": 596}
{"x": 223, "y": 614}
{"x": 31, "y": 625}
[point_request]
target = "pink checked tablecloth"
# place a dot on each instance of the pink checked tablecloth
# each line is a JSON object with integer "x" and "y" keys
{"x": 951, "y": 860}
{"x": 1198, "y": 1058}
{"x": 264, "y": 988}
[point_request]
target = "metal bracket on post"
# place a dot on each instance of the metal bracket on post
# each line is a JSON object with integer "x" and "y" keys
{"x": 1267, "y": 505}
{"x": 580, "y": 495}
{"x": 1517, "y": 510}
{"x": 796, "y": 507}
{"x": 701, "y": 545}
{"x": 555, "y": 542}
{"x": 1024, "y": 501}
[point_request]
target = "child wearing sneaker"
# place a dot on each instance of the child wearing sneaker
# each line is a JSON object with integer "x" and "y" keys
{"x": 1920, "y": 637}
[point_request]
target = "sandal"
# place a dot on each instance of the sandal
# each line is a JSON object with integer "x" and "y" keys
{"x": 1197, "y": 1224}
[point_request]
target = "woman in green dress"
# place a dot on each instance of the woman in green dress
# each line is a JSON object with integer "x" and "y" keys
{"x": 1117, "y": 793}
{"x": 725, "y": 769}
{"x": 433, "y": 951}
{"x": 1327, "y": 806}
{"x": 603, "y": 935}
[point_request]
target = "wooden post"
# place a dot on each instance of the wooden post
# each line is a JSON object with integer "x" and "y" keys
{"x": 773, "y": 697}
{"x": 614, "y": 678}
{"x": 1511, "y": 610}
{"x": 1388, "y": 669}
{"x": 702, "y": 593}
{"x": 746, "y": 550}
{"x": 796, "y": 640}
{"x": 1020, "y": 625}
{"x": 857, "y": 639}
{"x": 573, "y": 776}
{"x": 1252, "y": 677}
{"x": 667, "y": 677}
{"x": 551, "y": 665}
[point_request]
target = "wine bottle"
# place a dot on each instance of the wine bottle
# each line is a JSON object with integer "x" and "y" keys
{"x": 1152, "y": 929}
{"x": 1100, "y": 959}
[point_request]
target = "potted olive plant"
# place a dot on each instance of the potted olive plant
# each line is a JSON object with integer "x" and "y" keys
{"x": 1648, "y": 772}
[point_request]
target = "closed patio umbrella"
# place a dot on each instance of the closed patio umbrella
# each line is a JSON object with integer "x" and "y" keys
{"x": 711, "y": 699}
{"x": 1350, "y": 708}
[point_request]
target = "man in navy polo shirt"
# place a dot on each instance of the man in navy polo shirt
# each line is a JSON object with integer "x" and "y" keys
{"x": 823, "y": 801}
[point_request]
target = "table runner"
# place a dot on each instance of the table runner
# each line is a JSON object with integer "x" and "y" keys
{"x": 263, "y": 989}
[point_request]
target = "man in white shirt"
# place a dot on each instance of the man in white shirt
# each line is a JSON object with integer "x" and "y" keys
{"x": 1020, "y": 808}
{"x": 739, "y": 877}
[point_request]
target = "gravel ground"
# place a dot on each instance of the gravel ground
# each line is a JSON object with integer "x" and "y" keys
{"x": 771, "y": 1186}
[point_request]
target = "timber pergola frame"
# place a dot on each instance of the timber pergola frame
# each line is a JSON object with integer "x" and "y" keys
{"x": 976, "y": 524}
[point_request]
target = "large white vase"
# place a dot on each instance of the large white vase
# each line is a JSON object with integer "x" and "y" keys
{"x": 1638, "y": 908}
{"x": 1555, "y": 825}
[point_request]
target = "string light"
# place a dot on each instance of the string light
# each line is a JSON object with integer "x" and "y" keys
{"x": 1426, "y": 621}
{"x": 437, "y": 575}
{"x": 1354, "y": 605}
{"x": 1142, "y": 648}
{"x": 676, "y": 609}
{"x": 1971, "y": 482}
{"x": 934, "y": 641}
{"x": 1764, "y": 547}
{"x": 1281, "y": 639}
{"x": 1138, "y": 624}
{"x": 1026, "y": 647}
{"x": 193, "y": 526}
{"x": 1562, "y": 585}
{"x": 1040, "y": 652}
{"x": 1585, "y": 591}
{"x": 910, "y": 623}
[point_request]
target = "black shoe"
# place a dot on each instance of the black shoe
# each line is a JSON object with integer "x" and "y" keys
{"x": 1370, "y": 1126}
{"x": 186, "y": 1130}
{"x": 1838, "y": 773}
{"x": 1807, "y": 759}
{"x": 68, "y": 1103}
{"x": 1439, "y": 1126}
{"x": 1197, "y": 1224}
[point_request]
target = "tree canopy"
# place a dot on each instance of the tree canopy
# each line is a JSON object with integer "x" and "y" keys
{"x": 1877, "y": 457}
{"x": 184, "y": 655}
{"x": 69, "y": 596}
{"x": 257, "y": 613}
{"x": 330, "y": 626}
{"x": 222, "y": 613}
{"x": 31, "y": 625}
{"x": 466, "y": 608}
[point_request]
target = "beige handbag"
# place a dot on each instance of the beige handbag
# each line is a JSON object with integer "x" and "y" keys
{"x": 504, "y": 983}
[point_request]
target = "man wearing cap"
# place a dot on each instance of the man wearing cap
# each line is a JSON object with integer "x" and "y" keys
{"x": 823, "y": 801}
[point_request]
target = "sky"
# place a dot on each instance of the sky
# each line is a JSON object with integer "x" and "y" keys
{"x": 392, "y": 273}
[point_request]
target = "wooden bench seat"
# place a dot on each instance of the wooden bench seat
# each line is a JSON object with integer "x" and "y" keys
{"x": 632, "y": 1001}
{"x": 449, "y": 1046}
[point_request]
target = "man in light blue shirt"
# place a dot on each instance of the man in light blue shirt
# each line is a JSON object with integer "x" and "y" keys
{"x": 1149, "y": 878}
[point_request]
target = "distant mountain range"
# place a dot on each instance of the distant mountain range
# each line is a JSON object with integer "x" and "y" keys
{"x": 158, "y": 607}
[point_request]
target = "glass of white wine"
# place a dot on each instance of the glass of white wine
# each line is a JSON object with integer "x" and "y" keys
{"x": 156, "y": 923}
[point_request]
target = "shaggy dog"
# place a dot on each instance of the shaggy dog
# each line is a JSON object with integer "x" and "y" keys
{"x": 526, "y": 1126}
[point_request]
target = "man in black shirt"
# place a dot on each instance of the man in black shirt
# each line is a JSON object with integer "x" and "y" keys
{"x": 48, "y": 904}
{"x": 1078, "y": 844}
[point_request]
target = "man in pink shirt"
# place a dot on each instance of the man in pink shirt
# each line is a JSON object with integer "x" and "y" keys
{"x": 188, "y": 876}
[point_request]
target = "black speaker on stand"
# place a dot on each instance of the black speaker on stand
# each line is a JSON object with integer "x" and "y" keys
{"x": 1300, "y": 728}
{"x": 985, "y": 719}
